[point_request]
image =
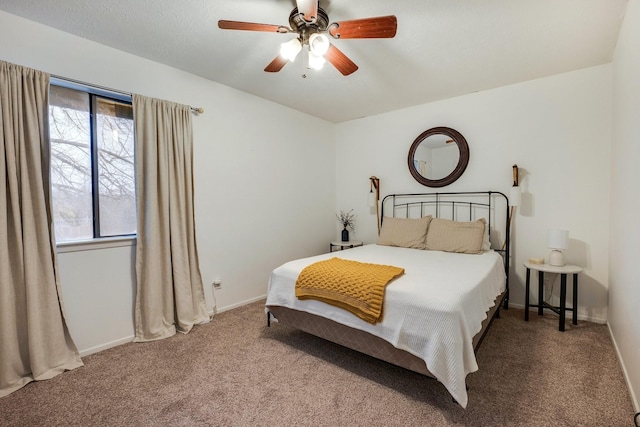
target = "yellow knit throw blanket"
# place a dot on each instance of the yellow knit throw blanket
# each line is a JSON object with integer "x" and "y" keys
{"x": 354, "y": 286}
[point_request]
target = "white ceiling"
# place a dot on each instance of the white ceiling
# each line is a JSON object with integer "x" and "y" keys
{"x": 443, "y": 48}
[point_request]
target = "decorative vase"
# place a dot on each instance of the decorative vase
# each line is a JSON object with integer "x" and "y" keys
{"x": 345, "y": 235}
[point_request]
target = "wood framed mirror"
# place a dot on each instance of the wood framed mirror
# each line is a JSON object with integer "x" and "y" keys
{"x": 438, "y": 157}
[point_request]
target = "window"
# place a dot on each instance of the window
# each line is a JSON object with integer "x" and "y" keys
{"x": 92, "y": 165}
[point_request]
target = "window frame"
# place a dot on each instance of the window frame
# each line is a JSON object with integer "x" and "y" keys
{"x": 97, "y": 241}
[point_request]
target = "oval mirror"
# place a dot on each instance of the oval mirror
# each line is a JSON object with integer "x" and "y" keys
{"x": 438, "y": 157}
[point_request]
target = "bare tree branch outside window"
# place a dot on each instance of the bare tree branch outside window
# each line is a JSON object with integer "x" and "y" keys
{"x": 72, "y": 169}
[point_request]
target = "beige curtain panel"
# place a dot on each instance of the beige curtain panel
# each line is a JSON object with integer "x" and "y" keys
{"x": 170, "y": 294}
{"x": 34, "y": 340}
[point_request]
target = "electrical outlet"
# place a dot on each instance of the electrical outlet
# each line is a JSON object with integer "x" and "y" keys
{"x": 217, "y": 284}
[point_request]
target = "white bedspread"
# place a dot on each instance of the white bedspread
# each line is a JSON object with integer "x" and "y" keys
{"x": 433, "y": 311}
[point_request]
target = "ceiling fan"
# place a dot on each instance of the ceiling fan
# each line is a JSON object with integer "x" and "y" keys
{"x": 310, "y": 22}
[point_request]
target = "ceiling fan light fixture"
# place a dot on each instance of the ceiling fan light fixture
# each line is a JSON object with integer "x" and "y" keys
{"x": 316, "y": 62}
{"x": 289, "y": 50}
{"x": 311, "y": 24}
{"x": 318, "y": 44}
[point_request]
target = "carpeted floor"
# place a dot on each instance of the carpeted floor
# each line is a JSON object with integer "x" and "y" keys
{"x": 235, "y": 371}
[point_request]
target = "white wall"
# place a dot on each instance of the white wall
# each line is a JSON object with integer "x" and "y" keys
{"x": 624, "y": 295}
{"x": 264, "y": 181}
{"x": 558, "y": 131}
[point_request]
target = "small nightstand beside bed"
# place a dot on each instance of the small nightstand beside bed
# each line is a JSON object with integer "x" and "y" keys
{"x": 436, "y": 313}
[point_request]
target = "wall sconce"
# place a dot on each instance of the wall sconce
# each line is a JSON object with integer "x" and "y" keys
{"x": 556, "y": 241}
{"x": 374, "y": 197}
{"x": 515, "y": 197}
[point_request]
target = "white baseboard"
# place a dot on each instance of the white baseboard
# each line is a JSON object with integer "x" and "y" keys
{"x": 105, "y": 346}
{"x": 239, "y": 304}
{"x": 634, "y": 399}
{"x": 580, "y": 317}
{"x": 129, "y": 339}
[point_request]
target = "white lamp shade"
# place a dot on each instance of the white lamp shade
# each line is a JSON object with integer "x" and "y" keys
{"x": 318, "y": 44}
{"x": 316, "y": 62}
{"x": 372, "y": 199}
{"x": 515, "y": 196}
{"x": 558, "y": 239}
{"x": 290, "y": 49}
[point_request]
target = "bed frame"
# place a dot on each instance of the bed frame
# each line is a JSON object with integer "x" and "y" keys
{"x": 460, "y": 206}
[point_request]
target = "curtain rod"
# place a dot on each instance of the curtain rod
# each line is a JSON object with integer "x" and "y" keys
{"x": 198, "y": 110}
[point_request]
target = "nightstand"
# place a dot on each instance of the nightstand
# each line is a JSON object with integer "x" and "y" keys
{"x": 343, "y": 245}
{"x": 561, "y": 310}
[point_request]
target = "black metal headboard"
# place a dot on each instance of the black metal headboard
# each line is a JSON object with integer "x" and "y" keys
{"x": 459, "y": 206}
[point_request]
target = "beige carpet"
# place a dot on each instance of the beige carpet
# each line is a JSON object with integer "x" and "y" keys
{"x": 236, "y": 371}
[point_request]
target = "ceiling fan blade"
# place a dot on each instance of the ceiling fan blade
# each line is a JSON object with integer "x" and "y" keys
{"x": 252, "y": 26}
{"x": 309, "y": 8}
{"x": 340, "y": 61}
{"x": 276, "y": 65}
{"x": 381, "y": 27}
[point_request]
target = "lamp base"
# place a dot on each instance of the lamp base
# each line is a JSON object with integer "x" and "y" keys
{"x": 556, "y": 258}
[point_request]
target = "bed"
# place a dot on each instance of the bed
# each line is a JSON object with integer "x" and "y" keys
{"x": 436, "y": 313}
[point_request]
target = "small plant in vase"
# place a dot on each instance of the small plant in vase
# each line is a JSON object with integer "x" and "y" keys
{"x": 348, "y": 221}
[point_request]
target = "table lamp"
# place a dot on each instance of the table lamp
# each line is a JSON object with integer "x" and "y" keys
{"x": 557, "y": 240}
